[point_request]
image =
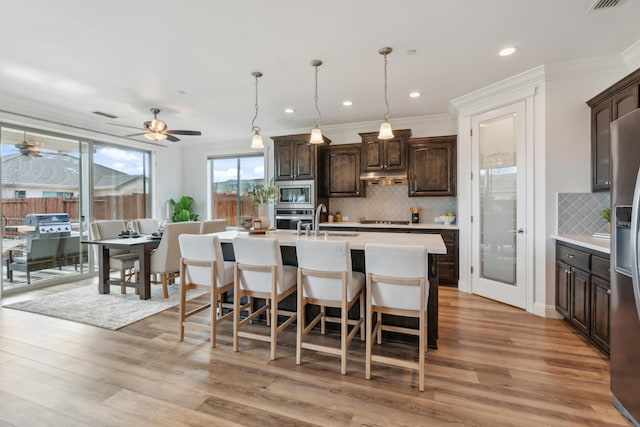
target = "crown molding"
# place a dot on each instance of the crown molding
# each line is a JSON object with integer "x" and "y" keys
{"x": 631, "y": 56}
{"x": 503, "y": 92}
{"x": 585, "y": 67}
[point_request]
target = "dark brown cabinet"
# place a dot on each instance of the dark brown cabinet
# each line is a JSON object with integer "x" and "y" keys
{"x": 612, "y": 103}
{"x": 341, "y": 171}
{"x": 432, "y": 166}
{"x": 388, "y": 154}
{"x": 294, "y": 158}
{"x": 583, "y": 292}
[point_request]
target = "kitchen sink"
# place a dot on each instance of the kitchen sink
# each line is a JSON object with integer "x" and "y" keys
{"x": 341, "y": 233}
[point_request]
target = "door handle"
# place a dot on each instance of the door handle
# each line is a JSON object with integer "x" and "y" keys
{"x": 519, "y": 231}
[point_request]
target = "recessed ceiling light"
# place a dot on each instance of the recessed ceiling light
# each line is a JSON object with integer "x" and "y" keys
{"x": 411, "y": 52}
{"x": 508, "y": 51}
{"x": 347, "y": 103}
{"x": 182, "y": 92}
{"x": 289, "y": 110}
{"x": 415, "y": 94}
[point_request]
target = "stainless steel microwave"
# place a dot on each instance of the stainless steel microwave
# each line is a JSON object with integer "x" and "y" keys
{"x": 296, "y": 194}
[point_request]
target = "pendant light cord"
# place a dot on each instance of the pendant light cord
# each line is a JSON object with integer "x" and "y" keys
{"x": 317, "y": 123}
{"x": 386, "y": 115}
{"x": 255, "y": 128}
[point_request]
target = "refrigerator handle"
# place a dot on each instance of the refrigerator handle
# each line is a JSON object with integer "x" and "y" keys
{"x": 635, "y": 219}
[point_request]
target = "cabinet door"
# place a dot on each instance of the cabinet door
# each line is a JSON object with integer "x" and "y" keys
{"x": 624, "y": 102}
{"x": 580, "y": 300}
{"x": 372, "y": 155}
{"x": 283, "y": 160}
{"x": 395, "y": 154}
{"x": 563, "y": 288}
{"x": 600, "y": 147}
{"x": 304, "y": 160}
{"x": 600, "y": 296}
{"x": 343, "y": 171}
{"x": 432, "y": 167}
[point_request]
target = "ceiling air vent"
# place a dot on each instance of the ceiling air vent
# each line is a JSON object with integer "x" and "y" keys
{"x": 100, "y": 113}
{"x": 605, "y": 4}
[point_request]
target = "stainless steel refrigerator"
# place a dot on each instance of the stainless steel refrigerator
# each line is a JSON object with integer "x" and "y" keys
{"x": 625, "y": 280}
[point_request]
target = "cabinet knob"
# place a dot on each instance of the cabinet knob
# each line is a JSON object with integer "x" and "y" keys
{"x": 571, "y": 256}
{"x": 608, "y": 291}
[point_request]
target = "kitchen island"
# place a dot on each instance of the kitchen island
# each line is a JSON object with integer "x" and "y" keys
{"x": 357, "y": 240}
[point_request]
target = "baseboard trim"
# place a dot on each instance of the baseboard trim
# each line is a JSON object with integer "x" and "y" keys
{"x": 546, "y": 310}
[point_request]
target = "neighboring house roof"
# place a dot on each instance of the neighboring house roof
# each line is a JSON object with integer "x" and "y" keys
{"x": 57, "y": 170}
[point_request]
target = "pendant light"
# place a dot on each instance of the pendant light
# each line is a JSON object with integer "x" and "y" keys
{"x": 385, "y": 127}
{"x": 256, "y": 142}
{"x": 316, "y": 134}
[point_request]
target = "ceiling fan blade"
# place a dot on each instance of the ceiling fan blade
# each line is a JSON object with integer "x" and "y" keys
{"x": 124, "y": 126}
{"x": 172, "y": 138}
{"x": 183, "y": 132}
{"x": 134, "y": 134}
{"x": 35, "y": 154}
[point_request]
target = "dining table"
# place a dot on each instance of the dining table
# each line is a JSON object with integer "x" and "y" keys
{"x": 142, "y": 245}
{"x": 357, "y": 241}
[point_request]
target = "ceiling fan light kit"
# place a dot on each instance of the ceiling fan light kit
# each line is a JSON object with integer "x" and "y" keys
{"x": 385, "y": 128}
{"x": 316, "y": 133}
{"x": 28, "y": 150}
{"x": 156, "y": 129}
{"x": 256, "y": 141}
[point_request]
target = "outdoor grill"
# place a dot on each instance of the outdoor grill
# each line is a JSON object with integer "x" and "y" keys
{"x": 47, "y": 226}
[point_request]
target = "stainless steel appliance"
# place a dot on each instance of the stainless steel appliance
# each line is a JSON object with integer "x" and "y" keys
{"x": 296, "y": 203}
{"x": 296, "y": 194}
{"x": 47, "y": 226}
{"x": 288, "y": 219}
{"x": 625, "y": 283}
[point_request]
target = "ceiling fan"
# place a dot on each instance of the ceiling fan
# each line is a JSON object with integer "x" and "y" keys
{"x": 29, "y": 149}
{"x": 156, "y": 129}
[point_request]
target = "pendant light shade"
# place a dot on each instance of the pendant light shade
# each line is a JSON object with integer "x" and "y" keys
{"x": 155, "y": 136}
{"x": 256, "y": 141}
{"x": 316, "y": 133}
{"x": 385, "y": 127}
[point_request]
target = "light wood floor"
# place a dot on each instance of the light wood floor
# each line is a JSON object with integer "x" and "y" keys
{"x": 496, "y": 366}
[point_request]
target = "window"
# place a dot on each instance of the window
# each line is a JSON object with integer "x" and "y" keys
{"x": 55, "y": 194}
{"x": 230, "y": 177}
{"x": 20, "y": 194}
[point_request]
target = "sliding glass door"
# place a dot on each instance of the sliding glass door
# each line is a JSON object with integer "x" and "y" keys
{"x": 52, "y": 187}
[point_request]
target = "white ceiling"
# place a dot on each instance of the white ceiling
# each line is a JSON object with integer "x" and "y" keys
{"x": 63, "y": 59}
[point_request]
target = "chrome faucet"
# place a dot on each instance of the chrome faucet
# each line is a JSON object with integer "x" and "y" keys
{"x": 321, "y": 208}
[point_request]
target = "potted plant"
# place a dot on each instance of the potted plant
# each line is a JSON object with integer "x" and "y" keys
{"x": 182, "y": 210}
{"x": 263, "y": 195}
{"x": 606, "y": 215}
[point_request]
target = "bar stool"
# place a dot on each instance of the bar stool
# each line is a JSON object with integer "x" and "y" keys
{"x": 259, "y": 273}
{"x": 397, "y": 284}
{"x": 202, "y": 264}
{"x": 325, "y": 278}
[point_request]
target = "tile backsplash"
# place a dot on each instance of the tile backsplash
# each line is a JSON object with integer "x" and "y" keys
{"x": 579, "y": 213}
{"x": 391, "y": 202}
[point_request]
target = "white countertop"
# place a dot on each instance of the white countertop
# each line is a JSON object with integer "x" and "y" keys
{"x": 589, "y": 242}
{"x": 421, "y": 226}
{"x": 357, "y": 240}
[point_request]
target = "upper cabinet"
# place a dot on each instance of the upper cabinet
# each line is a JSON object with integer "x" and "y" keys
{"x": 432, "y": 166}
{"x": 294, "y": 158}
{"x": 384, "y": 155}
{"x": 340, "y": 171}
{"x": 612, "y": 103}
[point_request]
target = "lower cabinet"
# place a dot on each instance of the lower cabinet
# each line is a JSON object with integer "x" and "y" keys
{"x": 583, "y": 292}
{"x": 448, "y": 264}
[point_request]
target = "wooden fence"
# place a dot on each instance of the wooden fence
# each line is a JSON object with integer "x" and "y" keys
{"x": 226, "y": 206}
{"x": 124, "y": 207}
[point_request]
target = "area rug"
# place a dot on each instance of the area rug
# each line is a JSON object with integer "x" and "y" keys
{"x": 110, "y": 311}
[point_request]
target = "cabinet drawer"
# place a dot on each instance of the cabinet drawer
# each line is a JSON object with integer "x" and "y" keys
{"x": 573, "y": 257}
{"x": 600, "y": 266}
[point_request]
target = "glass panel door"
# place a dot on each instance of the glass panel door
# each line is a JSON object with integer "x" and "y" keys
{"x": 499, "y": 205}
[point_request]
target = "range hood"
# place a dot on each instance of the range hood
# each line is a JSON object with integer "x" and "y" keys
{"x": 384, "y": 177}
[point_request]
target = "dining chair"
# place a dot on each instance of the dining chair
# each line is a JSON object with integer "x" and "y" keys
{"x": 213, "y": 226}
{"x": 397, "y": 284}
{"x": 146, "y": 226}
{"x": 202, "y": 265}
{"x": 165, "y": 259}
{"x": 121, "y": 260}
{"x": 325, "y": 278}
{"x": 259, "y": 273}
